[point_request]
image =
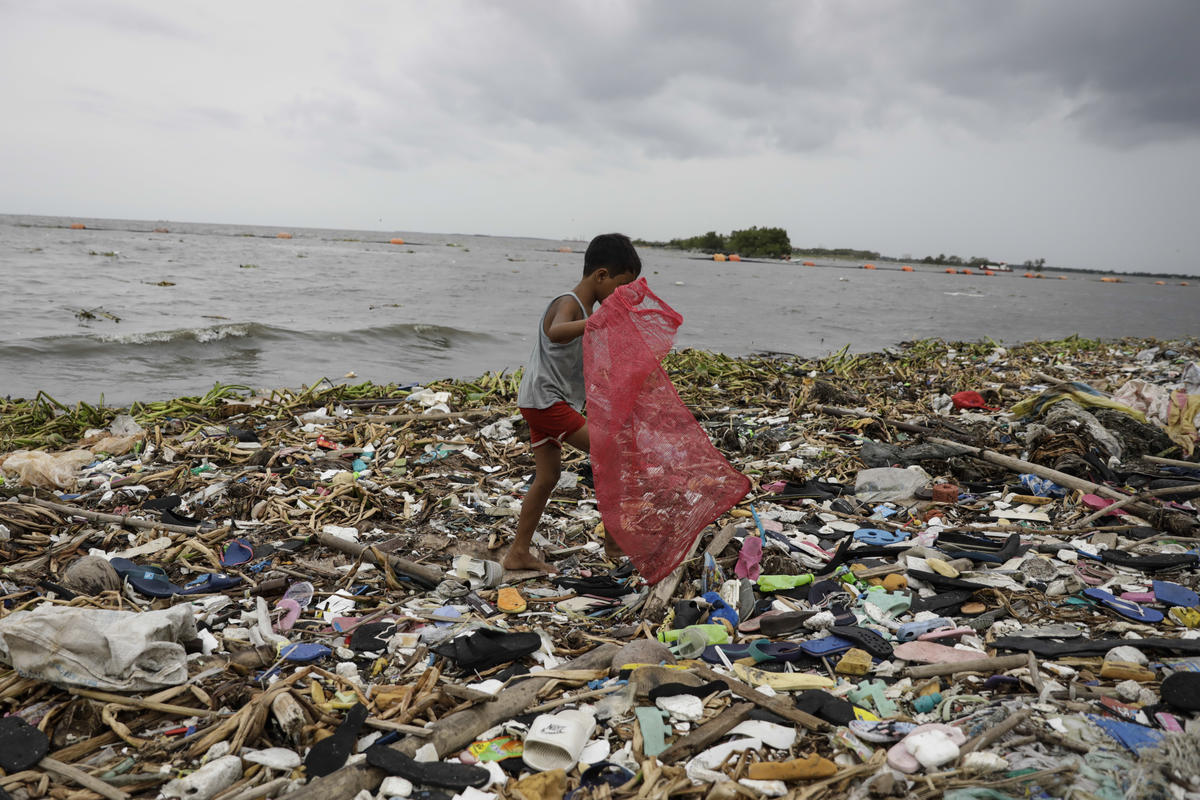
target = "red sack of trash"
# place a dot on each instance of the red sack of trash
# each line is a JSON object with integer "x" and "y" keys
{"x": 659, "y": 480}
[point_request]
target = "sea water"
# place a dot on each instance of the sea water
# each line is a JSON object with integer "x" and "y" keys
{"x": 119, "y": 311}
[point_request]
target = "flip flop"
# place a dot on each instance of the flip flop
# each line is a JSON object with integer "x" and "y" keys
{"x": 1160, "y": 562}
{"x": 784, "y": 622}
{"x": 880, "y": 537}
{"x": 1172, "y": 594}
{"x": 827, "y": 707}
{"x": 911, "y": 631}
{"x": 653, "y": 728}
{"x": 764, "y": 650}
{"x": 865, "y": 638}
{"x": 510, "y": 601}
{"x": 604, "y": 773}
{"x": 304, "y": 652}
{"x": 1182, "y": 690}
{"x": 1186, "y": 617}
{"x": 950, "y": 601}
{"x": 826, "y": 646}
{"x": 371, "y": 637}
{"x": 211, "y": 583}
{"x": 1123, "y": 607}
{"x": 486, "y": 648}
{"x": 674, "y": 689}
{"x": 151, "y": 581}
{"x": 21, "y": 745}
{"x": 598, "y": 585}
{"x": 782, "y": 681}
{"x": 441, "y": 774}
{"x": 329, "y": 754}
{"x": 1049, "y": 648}
{"x": 238, "y": 551}
{"x": 881, "y": 731}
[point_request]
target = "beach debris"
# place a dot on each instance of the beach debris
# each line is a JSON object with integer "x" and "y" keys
{"x": 961, "y": 570}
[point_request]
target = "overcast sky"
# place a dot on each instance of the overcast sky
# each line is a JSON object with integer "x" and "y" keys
{"x": 1067, "y": 130}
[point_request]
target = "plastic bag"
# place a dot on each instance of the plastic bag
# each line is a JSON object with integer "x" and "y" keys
{"x": 882, "y": 484}
{"x": 46, "y": 470}
{"x": 659, "y": 481}
{"x": 122, "y": 651}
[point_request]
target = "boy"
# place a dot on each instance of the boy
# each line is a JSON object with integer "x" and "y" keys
{"x": 552, "y": 390}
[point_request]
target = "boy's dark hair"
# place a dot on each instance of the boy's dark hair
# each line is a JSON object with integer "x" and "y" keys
{"x": 614, "y": 251}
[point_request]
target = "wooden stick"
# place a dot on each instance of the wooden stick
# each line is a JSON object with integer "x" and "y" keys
{"x": 995, "y": 732}
{"x": 1171, "y": 462}
{"x": 1177, "y": 523}
{"x": 777, "y": 705}
{"x": 994, "y": 664}
{"x": 85, "y": 780}
{"x": 426, "y": 576}
{"x": 135, "y": 702}
{"x": 119, "y": 519}
{"x": 432, "y": 416}
{"x": 706, "y": 734}
{"x": 656, "y": 604}
{"x": 1133, "y": 498}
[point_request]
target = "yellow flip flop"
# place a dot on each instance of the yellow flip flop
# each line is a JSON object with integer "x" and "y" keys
{"x": 510, "y": 601}
{"x": 1187, "y": 617}
{"x": 781, "y": 681}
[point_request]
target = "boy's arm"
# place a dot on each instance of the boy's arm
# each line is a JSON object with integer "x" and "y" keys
{"x": 565, "y": 322}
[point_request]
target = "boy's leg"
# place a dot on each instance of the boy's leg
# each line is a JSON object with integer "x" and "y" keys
{"x": 547, "y": 459}
{"x": 581, "y": 440}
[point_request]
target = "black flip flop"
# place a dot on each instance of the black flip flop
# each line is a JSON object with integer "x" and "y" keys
{"x": 865, "y": 638}
{"x": 942, "y": 582}
{"x": 329, "y": 754}
{"x": 1182, "y": 690}
{"x": 371, "y": 637}
{"x": 1051, "y": 648}
{"x": 485, "y": 648}
{"x": 1159, "y": 562}
{"x": 21, "y": 745}
{"x": 673, "y": 689}
{"x": 823, "y": 705}
{"x": 427, "y": 773}
{"x": 599, "y": 585}
{"x": 780, "y": 624}
{"x": 942, "y": 601}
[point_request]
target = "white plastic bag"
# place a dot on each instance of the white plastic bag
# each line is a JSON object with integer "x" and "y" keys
{"x": 124, "y": 651}
{"x": 882, "y": 484}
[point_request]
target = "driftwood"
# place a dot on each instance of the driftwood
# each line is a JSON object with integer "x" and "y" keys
{"x": 994, "y": 664}
{"x": 1161, "y": 518}
{"x": 426, "y": 576}
{"x": 119, "y": 519}
{"x": 706, "y": 734}
{"x": 449, "y": 733}
{"x": 664, "y": 590}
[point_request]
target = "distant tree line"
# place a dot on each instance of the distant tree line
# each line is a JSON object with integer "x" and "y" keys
{"x": 752, "y": 242}
{"x": 839, "y": 252}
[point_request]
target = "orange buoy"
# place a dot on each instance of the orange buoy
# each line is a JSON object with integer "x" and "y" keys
{"x": 1027, "y": 275}
{"x": 906, "y": 268}
{"x": 810, "y": 263}
{"x": 1039, "y": 275}
{"x": 564, "y": 250}
{"x": 988, "y": 272}
{"x": 78, "y": 226}
{"x": 395, "y": 241}
{"x": 734, "y": 257}
{"x": 283, "y": 236}
{"x": 161, "y": 230}
{"x": 718, "y": 256}
{"x": 868, "y": 266}
{"x": 1160, "y": 283}
{"x": 1110, "y": 280}
{"x": 1063, "y": 277}
{"x": 965, "y": 271}
{"x": 1183, "y": 283}
{"x": 951, "y": 270}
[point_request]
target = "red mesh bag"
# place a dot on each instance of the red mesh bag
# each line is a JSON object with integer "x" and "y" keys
{"x": 659, "y": 480}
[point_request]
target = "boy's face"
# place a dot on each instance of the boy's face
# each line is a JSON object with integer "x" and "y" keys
{"x": 607, "y": 283}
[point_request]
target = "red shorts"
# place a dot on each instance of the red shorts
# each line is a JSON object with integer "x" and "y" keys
{"x": 553, "y": 424}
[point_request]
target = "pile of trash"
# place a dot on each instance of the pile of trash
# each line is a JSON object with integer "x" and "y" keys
{"x": 962, "y": 571}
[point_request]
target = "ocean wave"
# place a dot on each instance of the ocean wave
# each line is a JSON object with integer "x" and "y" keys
{"x": 240, "y": 335}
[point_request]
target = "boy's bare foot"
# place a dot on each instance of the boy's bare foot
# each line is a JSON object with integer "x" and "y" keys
{"x": 525, "y": 560}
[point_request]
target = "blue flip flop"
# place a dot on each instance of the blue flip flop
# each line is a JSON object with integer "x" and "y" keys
{"x": 826, "y": 646}
{"x": 1172, "y": 594}
{"x": 304, "y": 652}
{"x": 1123, "y": 607}
{"x": 879, "y": 537}
{"x": 237, "y": 552}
